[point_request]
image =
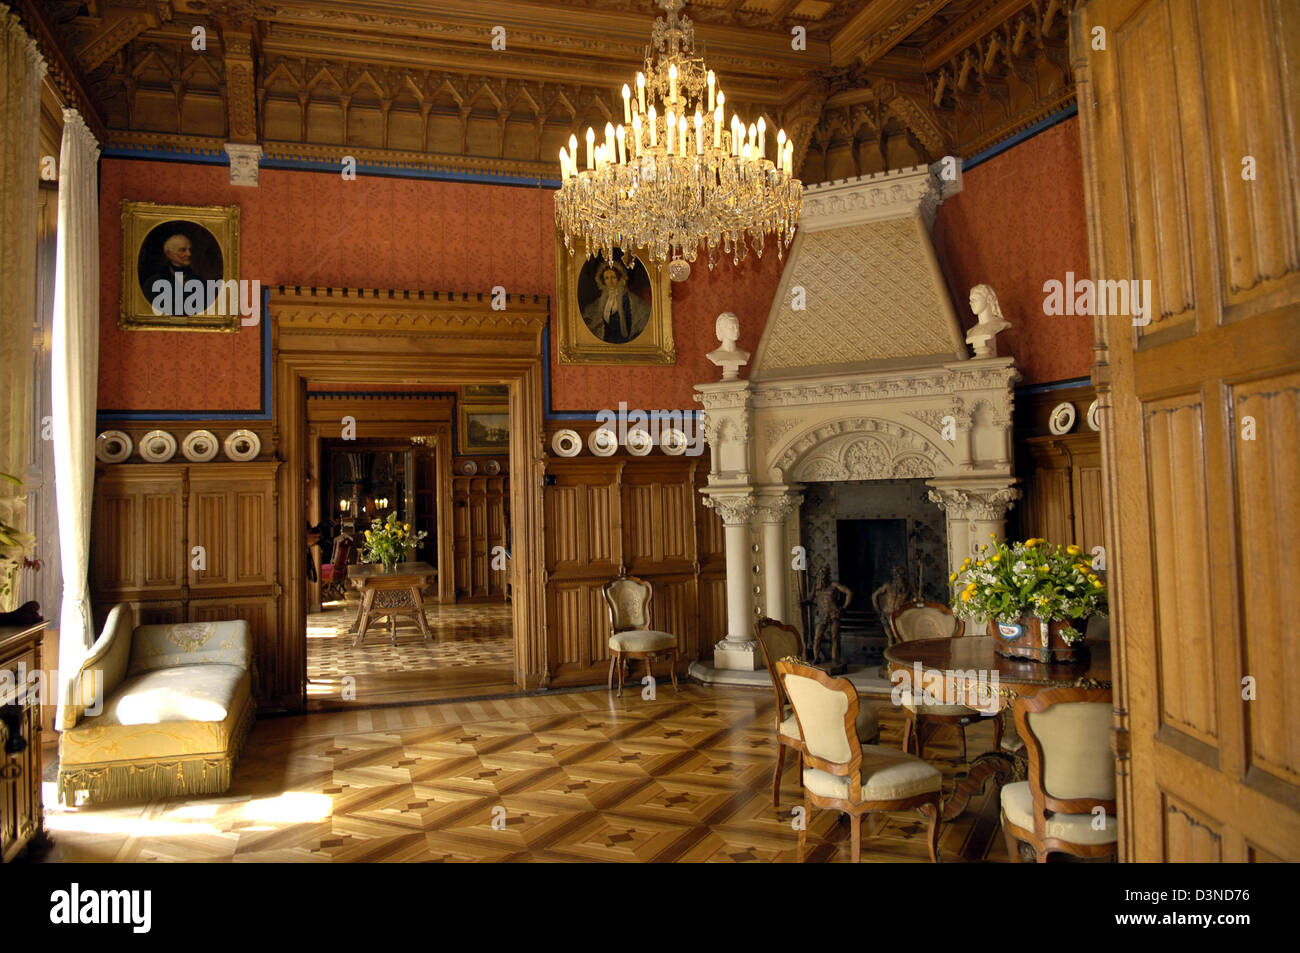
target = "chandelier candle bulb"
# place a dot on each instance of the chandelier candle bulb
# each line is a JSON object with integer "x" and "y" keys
{"x": 672, "y": 82}
{"x": 699, "y": 133}
{"x": 622, "y": 149}
{"x": 640, "y": 90}
{"x": 636, "y": 135}
{"x": 711, "y": 80}
{"x": 564, "y": 162}
{"x": 717, "y": 127}
{"x": 591, "y": 148}
{"x": 609, "y": 139}
{"x": 669, "y": 128}
{"x": 627, "y": 104}
{"x": 762, "y": 147}
{"x": 654, "y": 129}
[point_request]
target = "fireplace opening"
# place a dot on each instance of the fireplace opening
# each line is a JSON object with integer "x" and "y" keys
{"x": 863, "y": 531}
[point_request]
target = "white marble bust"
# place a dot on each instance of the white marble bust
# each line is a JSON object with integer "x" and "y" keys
{"x": 728, "y": 356}
{"x": 983, "y": 336}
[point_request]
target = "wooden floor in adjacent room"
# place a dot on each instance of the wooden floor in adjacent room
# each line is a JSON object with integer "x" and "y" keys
{"x": 470, "y": 653}
{"x": 580, "y": 776}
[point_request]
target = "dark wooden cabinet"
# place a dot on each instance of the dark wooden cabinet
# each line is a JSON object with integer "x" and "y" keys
{"x": 21, "y": 681}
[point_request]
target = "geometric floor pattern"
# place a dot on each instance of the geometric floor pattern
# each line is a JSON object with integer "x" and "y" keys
{"x": 460, "y": 636}
{"x": 470, "y": 652}
{"x": 574, "y": 777}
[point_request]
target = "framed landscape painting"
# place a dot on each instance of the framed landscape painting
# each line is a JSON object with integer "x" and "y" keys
{"x": 484, "y": 429}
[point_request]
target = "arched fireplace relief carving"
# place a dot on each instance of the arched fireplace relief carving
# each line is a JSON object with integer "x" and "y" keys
{"x": 861, "y": 448}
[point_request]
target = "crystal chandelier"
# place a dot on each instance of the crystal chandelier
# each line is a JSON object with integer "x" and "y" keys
{"x": 670, "y": 177}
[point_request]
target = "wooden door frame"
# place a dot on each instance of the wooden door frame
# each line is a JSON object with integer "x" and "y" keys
{"x": 340, "y": 336}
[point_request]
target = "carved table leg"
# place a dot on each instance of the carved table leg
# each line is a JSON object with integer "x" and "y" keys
{"x": 1003, "y": 766}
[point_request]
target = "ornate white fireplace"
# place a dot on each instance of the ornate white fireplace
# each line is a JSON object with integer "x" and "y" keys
{"x": 869, "y": 380}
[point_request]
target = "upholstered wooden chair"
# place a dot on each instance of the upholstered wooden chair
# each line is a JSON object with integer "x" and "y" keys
{"x": 1071, "y": 772}
{"x": 917, "y": 620}
{"x": 628, "y": 599}
{"x": 334, "y": 572}
{"x": 842, "y": 774}
{"x": 777, "y": 640}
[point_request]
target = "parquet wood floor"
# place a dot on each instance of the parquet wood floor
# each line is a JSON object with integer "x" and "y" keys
{"x": 568, "y": 778}
{"x": 471, "y": 652}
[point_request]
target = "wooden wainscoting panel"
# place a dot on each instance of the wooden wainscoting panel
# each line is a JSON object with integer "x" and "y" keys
{"x": 208, "y": 527}
{"x": 1190, "y": 836}
{"x": 479, "y": 506}
{"x": 1266, "y": 458}
{"x": 1259, "y": 216}
{"x": 1144, "y": 48}
{"x": 164, "y": 526}
{"x": 1181, "y": 543}
{"x": 115, "y": 549}
{"x": 159, "y": 613}
{"x": 1089, "y": 518}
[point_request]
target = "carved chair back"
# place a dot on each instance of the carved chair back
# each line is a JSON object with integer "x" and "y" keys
{"x": 338, "y": 564}
{"x": 922, "y": 619}
{"x": 827, "y": 711}
{"x": 1067, "y": 736}
{"x": 777, "y": 640}
{"x": 628, "y": 600}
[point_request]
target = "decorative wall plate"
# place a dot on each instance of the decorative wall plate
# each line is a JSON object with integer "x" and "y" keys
{"x": 603, "y": 442}
{"x": 639, "y": 442}
{"x": 113, "y": 446}
{"x": 566, "y": 443}
{"x": 468, "y": 467}
{"x": 243, "y": 445}
{"x": 157, "y": 446}
{"x": 200, "y": 446}
{"x": 1062, "y": 419}
{"x": 492, "y": 467}
{"x": 1094, "y": 415}
{"x": 673, "y": 442}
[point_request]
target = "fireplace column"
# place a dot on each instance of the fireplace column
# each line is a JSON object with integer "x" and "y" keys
{"x": 773, "y": 512}
{"x": 974, "y": 508}
{"x": 738, "y": 650}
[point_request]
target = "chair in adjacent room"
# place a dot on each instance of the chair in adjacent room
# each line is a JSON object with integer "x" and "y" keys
{"x": 335, "y": 572}
{"x": 628, "y": 600}
{"x": 777, "y": 640}
{"x": 922, "y": 619}
{"x": 842, "y": 774}
{"x": 1071, "y": 773}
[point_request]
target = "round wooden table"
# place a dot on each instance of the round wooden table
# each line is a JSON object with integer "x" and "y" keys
{"x": 967, "y": 671}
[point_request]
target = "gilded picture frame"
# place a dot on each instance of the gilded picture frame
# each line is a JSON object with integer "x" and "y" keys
{"x": 167, "y": 248}
{"x": 622, "y": 327}
{"x": 484, "y": 428}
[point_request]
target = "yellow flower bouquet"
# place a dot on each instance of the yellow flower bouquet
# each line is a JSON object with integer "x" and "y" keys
{"x": 389, "y": 541}
{"x": 1008, "y": 581}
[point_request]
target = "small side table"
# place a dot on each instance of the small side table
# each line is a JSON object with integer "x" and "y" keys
{"x": 390, "y": 594}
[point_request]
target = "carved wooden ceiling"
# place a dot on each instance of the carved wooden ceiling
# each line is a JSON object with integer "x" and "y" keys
{"x": 876, "y": 84}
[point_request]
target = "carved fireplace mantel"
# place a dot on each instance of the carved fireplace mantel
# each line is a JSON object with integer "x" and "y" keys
{"x": 822, "y": 407}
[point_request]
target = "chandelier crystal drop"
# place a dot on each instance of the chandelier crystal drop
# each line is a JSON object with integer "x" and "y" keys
{"x": 674, "y": 175}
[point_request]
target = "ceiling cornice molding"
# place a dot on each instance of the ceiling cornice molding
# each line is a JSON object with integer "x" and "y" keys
{"x": 62, "y": 68}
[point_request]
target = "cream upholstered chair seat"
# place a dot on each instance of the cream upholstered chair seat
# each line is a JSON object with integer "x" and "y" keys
{"x": 840, "y": 773}
{"x": 642, "y": 640}
{"x": 867, "y": 725}
{"x": 1071, "y": 776}
{"x": 887, "y": 775}
{"x": 1018, "y": 808}
{"x": 628, "y": 600}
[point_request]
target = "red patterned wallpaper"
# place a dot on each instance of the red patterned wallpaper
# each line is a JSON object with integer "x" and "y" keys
{"x": 312, "y": 228}
{"x": 1019, "y": 221}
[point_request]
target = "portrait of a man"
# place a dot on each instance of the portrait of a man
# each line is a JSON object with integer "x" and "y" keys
{"x": 615, "y": 301}
{"x": 177, "y": 261}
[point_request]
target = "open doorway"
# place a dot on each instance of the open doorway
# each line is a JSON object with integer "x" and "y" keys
{"x": 438, "y": 625}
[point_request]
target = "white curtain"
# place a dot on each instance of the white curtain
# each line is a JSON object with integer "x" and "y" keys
{"x": 74, "y": 379}
{"x": 21, "y": 69}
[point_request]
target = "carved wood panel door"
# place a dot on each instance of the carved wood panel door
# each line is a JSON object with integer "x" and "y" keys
{"x": 1191, "y": 164}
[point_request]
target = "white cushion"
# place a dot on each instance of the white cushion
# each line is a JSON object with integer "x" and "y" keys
{"x": 1018, "y": 808}
{"x": 887, "y": 775}
{"x": 868, "y": 725}
{"x": 910, "y": 704}
{"x": 642, "y": 640}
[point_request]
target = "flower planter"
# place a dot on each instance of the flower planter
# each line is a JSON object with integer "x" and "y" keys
{"x": 1025, "y": 638}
